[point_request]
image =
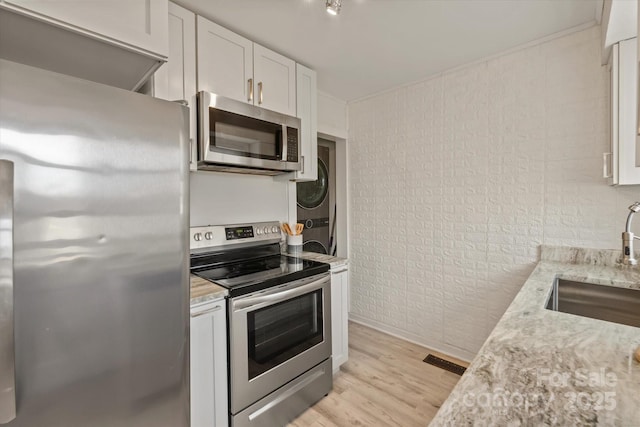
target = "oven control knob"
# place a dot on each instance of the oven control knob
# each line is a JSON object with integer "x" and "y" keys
{"x": 208, "y": 235}
{"x": 258, "y": 231}
{"x": 266, "y": 230}
{"x": 197, "y": 237}
{"x": 274, "y": 229}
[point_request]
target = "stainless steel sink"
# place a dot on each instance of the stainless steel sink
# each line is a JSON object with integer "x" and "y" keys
{"x": 618, "y": 305}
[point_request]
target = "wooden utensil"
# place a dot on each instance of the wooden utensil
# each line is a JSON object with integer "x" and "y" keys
{"x": 287, "y": 229}
{"x": 299, "y": 228}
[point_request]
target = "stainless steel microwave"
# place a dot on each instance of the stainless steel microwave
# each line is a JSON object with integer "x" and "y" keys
{"x": 234, "y": 136}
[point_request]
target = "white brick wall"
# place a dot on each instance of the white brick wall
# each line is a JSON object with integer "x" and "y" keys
{"x": 456, "y": 180}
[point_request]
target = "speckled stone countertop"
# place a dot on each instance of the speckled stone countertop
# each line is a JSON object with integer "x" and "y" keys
{"x": 202, "y": 290}
{"x": 333, "y": 261}
{"x": 541, "y": 367}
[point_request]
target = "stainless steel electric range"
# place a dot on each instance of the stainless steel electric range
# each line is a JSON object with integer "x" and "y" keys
{"x": 279, "y": 321}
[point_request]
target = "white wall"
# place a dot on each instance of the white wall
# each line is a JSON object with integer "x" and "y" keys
{"x": 456, "y": 180}
{"x": 225, "y": 198}
{"x": 332, "y": 115}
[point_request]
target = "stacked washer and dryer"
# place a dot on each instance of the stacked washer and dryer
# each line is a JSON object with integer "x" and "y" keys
{"x": 316, "y": 203}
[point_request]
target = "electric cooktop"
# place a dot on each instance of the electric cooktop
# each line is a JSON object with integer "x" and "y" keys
{"x": 246, "y": 258}
{"x": 243, "y": 271}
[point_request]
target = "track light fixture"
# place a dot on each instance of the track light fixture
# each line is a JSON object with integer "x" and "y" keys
{"x": 333, "y": 6}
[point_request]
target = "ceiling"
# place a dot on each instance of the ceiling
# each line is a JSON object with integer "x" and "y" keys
{"x": 373, "y": 45}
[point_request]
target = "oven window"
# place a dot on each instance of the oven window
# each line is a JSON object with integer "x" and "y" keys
{"x": 244, "y": 136}
{"x": 281, "y": 331}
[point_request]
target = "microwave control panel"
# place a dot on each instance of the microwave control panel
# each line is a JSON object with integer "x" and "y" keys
{"x": 292, "y": 145}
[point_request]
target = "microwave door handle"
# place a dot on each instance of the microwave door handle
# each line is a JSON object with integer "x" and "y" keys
{"x": 284, "y": 143}
{"x": 7, "y": 342}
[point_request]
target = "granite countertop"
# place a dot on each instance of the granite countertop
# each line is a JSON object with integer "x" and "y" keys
{"x": 333, "y": 261}
{"x": 202, "y": 290}
{"x": 540, "y": 367}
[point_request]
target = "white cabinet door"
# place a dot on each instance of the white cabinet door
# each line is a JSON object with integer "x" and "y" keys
{"x": 209, "y": 365}
{"x": 339, "y": 316}
{"x": 622, "y": 163}
{"x": 225, "y": 62}
{"x": 274, "y": 80}
{"x": 176, "y": 80}
{"x": 235, "y": 67}
{"x": 140, "y": 24}
{"x": 307, "y": 112}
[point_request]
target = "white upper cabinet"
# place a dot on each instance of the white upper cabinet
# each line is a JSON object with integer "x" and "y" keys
{"x": 233, "y": 66}
{"x": 117, "y": 43}
{"x": 307, "y": 112}
{"x": 225, "y": 62}
{"x": 274, "y": 80}
{"x": 140, "y": 24}
{"x": 622, "y": 162}
{"x": 176, "y": 80}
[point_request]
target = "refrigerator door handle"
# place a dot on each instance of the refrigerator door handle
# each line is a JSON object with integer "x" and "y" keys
{"x": 7, "y": 343}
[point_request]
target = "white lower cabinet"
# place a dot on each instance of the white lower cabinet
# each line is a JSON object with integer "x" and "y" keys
{"x": 339, "y": 316}
{"x": 209, "y": 406}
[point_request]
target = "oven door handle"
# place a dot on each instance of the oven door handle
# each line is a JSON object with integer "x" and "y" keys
{"x": 279, "y": 296}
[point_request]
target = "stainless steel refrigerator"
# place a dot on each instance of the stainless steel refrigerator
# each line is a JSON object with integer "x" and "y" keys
{"x": 94, "y": 293}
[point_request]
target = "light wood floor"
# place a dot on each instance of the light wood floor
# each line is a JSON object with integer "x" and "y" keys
{"x": 384, "y": 383}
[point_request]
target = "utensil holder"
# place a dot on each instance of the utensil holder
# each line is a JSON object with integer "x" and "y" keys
{"x": 294, "y": 245}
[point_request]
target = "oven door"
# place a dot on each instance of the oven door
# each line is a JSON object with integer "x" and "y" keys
{"x": 277, "y": 335}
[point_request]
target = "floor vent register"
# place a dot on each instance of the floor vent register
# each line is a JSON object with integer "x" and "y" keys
{"x": 445, "y": 364}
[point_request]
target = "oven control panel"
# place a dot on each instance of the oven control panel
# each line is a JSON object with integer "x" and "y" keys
{"x": 212, "y": 236}
{"x": 240, "y": 232}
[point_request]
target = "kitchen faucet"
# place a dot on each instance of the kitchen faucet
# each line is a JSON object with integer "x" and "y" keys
{"x": 627, "y": 238}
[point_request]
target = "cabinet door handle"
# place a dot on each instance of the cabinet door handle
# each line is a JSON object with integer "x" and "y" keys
{"x": 211, "y": 310}
{"x": 250, "y": 90}
{"x": 259, "y": 93}
{"x": 606, "y": 169}
{"x": 7, "y": 342}
{"x": 194, "y": 153}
